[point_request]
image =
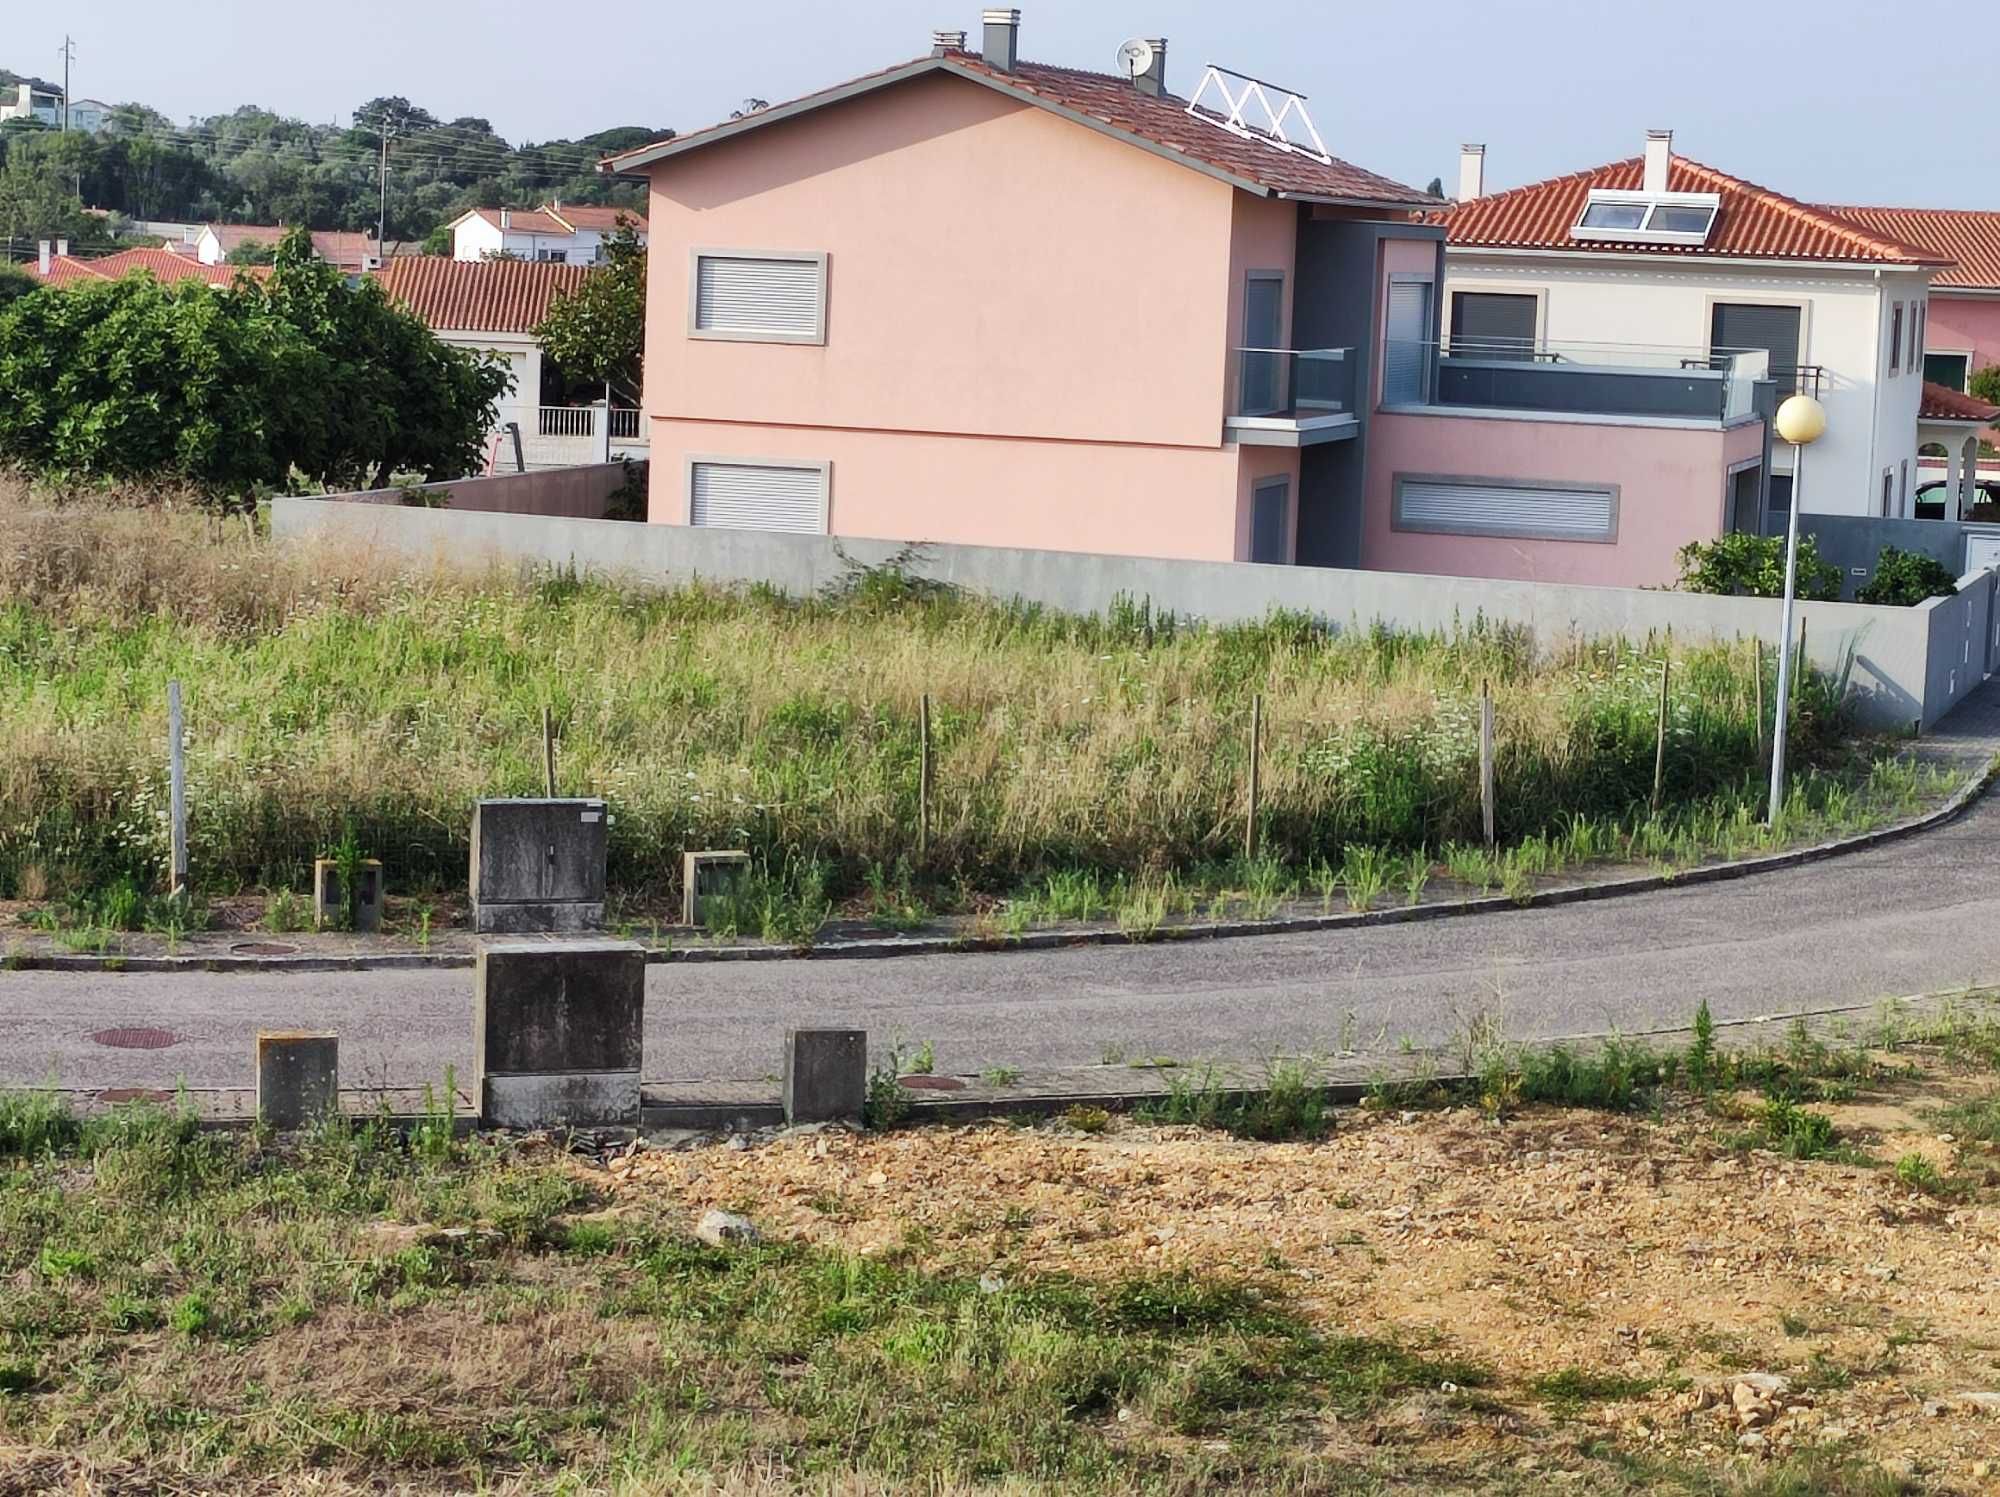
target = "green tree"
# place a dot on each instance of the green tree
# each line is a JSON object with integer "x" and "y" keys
{"x": 1905, "y": 578}
{"x": 238, "y": 390}
{"x": 438, "y": 241}
{"x": 1754, "y": 566}
{"x": 1985, "y": 384}
{"x": 251, "y": 252}
{"x": 598, "y": 332}
{"x": 15, "y": 283}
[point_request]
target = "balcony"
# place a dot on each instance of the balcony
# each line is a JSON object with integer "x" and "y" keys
{"x": 1291, "y": 397}
{"x": 1621, "y": 381}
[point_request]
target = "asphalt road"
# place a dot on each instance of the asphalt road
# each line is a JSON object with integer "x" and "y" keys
{"x": 1918, "y": 915}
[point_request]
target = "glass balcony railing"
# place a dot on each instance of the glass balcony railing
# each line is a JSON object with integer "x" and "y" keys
{"x": 1294, "y": 384}
{"x": 1621, "y": 379}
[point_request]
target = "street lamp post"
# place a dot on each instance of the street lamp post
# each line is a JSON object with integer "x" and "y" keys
{"x": 1801, "y": 421}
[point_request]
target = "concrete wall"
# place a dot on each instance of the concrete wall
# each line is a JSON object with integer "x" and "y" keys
{"x": 560, "y": 493}
{"x": 1882, "y": 654}
{"x": 1844, "y": 326}
{"x": 1962, "y": 645}
{"x": 1853, "y": 542}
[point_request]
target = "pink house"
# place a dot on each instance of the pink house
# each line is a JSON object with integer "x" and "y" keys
{"x": 976, "y": 299}
{"x": 1963, "y": 333}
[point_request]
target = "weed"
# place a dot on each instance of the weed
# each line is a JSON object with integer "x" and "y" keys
{"x": 1796, "y": 1131}
{"x": 1000, "y": 1076}
{"x": 1701, "y": 1056}
{"x": 1086, "y": 1119}
{"x": 285, "y": 912}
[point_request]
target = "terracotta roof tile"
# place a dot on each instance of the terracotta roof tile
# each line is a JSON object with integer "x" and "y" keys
{"x": 483, "y": 296}
{"x": 597, "y": 216}
{"x": 1158, "y": 120}
{"x": 1754, "y": 222}
{"x": 1942, "y": 403}
{"x": 165, "y": 266}
{"x": 1970, "y": 238}
{"x": 525, "y": 220}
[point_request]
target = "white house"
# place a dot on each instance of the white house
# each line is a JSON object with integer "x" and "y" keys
{"x": 1663, "y": 255}
{"x": 568, "y": 235}
{"x": 32, "y": 101}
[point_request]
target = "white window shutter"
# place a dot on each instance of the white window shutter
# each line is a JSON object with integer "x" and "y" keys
{"x": 1549, "y": 512}
{"x": 758, "y": 496}
{"x": 771, "y": 297}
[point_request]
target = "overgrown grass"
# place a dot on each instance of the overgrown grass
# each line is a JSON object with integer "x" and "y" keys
{"x": 209, "y": 1308}
{"x": 333, "y": 688}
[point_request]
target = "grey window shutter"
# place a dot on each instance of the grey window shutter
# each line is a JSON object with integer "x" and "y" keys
{"x": 1548, "y": 512}
{"x": 1407, "y": 357}
{"x": 1492, "y": 324}
{"x": 1744, "y": 327}
{"x": 758, "y": 496}
{"x": 743, "y": 294}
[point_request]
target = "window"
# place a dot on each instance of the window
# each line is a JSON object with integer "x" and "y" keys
{"x": 1493, "y": 324}
{"x": 1903, "y": 483}
{"x": 1406, "y": 358}
{"x": 1918, "y": 312}
{"x": 770, "y": 296}
{"x": 1896, "y": 338}
{"x": 1888, "y": 493}
{"x": 1270, "y": 520}
{"x": 1656, "y": 217}
{"x": 1748, "y": 327}
{"x": 552, "y": 256}
{"x": 1947, "y": 369}
{"x": 1744, "y": 486}
{"x": 1505, "y": 507}
{"x": 1264, "y": 370}
{"x": 755, "y": 494}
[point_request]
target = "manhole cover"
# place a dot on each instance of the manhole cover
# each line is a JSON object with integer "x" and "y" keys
{"x": 264, "y": 948}
{"x": 931, "y": 1083}
{"x": 134, "y": 1094}
{"x": 136, "y": 1039}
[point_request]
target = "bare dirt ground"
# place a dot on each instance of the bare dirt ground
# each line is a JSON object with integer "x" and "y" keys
{"x": 1640, "y": 1283}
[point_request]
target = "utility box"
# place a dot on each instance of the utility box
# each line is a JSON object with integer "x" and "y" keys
{"x": 706, "y": 876}
{"x": 330, "y": 909}
{"x": 538, "y": 866}
{"x": 557, "y": 1033}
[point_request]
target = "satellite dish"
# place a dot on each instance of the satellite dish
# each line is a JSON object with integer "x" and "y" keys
{"x": 1135, "y": 57}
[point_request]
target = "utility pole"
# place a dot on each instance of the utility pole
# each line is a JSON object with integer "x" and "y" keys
{"x": 68, "y": 55}
{"x": 382, "y": 210}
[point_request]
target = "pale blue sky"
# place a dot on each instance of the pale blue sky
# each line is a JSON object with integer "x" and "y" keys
{"x": 1866, "y": 111}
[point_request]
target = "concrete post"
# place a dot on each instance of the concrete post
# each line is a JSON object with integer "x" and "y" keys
{"x": 298, "y": 1077}
{"x": 1954, "y": 508}
{"x": 600, "y": 431}
{"x": 825, "y": 1074}
{"x": 709, "y": 875}
{"x": 557, "y": 1033}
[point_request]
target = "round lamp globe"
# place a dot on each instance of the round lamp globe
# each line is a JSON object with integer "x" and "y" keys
{"x": 1801, "y": 420}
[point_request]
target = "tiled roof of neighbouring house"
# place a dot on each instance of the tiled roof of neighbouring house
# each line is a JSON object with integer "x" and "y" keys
{"x": 525, "y": 220}
{"x": 1969, "y": 238}
{"x": 347, "y": 249}
{"x": 1160, "y": 122}
{"x": 597, "y": 216}
{"x": 1942, "y": 403}
{"x": 1754, "y": 222}
{"x": 166, "y": 266}
{"x": 479, "y": 296}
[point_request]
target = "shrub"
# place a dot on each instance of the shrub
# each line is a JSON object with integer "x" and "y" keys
{"x": 1754, "y": 566}
{"x": 1904, "y": 579}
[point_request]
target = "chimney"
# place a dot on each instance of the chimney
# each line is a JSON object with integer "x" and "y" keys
{"x": 1659, "y": 147}
{"x": 1471, "y": 172}
{"x": 947, "y": 41}
{"x": 1154, "y": 80}
{"x": 45, "y": 257}
{"x": 62, "y": 248}
{"x": 506, "y": 219}
{"x": 1003, "y": 39}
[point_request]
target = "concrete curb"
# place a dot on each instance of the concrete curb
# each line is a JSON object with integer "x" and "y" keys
{"x": 1054, "y": 940}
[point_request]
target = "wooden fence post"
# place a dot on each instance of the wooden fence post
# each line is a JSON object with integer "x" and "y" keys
{"x": 1757, "y": 645}
{"x": 1660, "y": 732}
{"x": 923, "y": 777}
{"x": 177, "y": 853}
{"x": 548, "y": 753}
{"x": 1256, "y": 775}
{"x": 1486, "y": 761}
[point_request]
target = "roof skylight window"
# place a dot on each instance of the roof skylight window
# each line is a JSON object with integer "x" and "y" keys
{"x": 1647, "y": 217}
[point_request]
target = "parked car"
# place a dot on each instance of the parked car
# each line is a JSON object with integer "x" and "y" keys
{"x": 1931, "y": 498}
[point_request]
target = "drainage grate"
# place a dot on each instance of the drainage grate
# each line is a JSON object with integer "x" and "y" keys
{"x": 264, "y": 948}
{"x": 136, "y": 1039}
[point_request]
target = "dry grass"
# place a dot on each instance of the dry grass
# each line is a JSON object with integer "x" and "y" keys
{"x": 330, "y": 686}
